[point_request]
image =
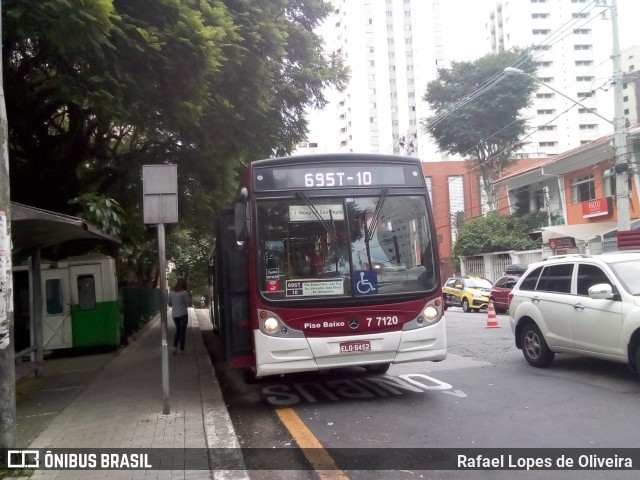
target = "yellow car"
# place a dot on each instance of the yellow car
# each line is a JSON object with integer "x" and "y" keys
{"x": 470, "y": 293}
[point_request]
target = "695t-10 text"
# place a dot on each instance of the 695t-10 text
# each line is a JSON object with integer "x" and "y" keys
{"x": 337, "y": 179}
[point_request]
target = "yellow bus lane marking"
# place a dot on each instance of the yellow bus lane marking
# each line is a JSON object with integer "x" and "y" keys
{"x": 317, "y": 456}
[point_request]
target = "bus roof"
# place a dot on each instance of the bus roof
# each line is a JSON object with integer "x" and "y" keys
{"x": 335, "y": 158}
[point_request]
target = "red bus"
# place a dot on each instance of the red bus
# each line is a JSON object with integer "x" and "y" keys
{"x": 328, "y": 261}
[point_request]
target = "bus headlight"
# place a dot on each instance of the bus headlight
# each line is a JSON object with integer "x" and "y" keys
{"x": 431, "y": 313}
{"x": 270, "y": 325}
{"x": 429, "y": 316}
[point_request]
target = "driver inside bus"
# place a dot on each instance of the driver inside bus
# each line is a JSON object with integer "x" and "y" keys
{"x": 316, "y": 263}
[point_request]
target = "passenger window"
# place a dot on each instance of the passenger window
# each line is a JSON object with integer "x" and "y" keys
{"x": 588, "y": 276}
{"x": 556, "y": 278}
{"x": 510, "y": 283}
{"x": 500, "y": 282}
{"x": 55, "y": 301}
{"x": 529, "y": 283}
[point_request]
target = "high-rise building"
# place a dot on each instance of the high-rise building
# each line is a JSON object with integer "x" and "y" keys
{"x": 393, "y": 49}
{"x": 630, "y": 59}
{"x": 572, "y": 41}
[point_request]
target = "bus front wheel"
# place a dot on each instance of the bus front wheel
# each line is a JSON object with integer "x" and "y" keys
{"x": 378, "y": 368}
{"x": 249, "y": 375}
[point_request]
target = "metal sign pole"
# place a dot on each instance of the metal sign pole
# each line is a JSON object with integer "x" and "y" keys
{"x": 160, "y": 202}
{"x": 163, "y": 319}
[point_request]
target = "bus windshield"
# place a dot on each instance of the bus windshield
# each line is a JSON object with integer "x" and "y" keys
{"x": 311, "y": 248}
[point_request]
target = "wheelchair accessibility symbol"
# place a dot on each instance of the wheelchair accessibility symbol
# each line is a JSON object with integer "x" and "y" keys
{"x": 366, "y": 282}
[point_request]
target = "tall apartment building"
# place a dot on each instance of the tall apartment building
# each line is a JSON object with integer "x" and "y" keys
{"x": 393, "y": 48}
{"x": 573, "y": 46}
{"x": 630, "y": 59}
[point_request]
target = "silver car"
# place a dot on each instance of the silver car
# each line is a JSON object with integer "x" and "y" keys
{"x": 580, "y": 304}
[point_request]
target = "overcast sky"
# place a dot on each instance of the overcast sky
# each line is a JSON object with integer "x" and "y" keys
{"x": 465, "y": 39}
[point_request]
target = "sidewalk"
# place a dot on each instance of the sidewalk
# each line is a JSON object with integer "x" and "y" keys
{"x": 122, "y": 408}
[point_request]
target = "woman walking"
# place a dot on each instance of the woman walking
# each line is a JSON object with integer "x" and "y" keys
{"x": 180, "y": 301}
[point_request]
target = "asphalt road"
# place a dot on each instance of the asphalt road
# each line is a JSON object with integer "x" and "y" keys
{"x": 484, "y": 395}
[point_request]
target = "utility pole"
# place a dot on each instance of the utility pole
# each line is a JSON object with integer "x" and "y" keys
{"x": 621, "y": 162}
{"x": 621, "y": 165}
{"x": 7, "y": 364}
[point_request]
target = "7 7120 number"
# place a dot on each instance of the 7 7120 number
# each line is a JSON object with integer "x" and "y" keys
{"x": 384, "y": 321}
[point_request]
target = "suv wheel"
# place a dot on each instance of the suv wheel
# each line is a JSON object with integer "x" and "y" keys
{"x": 465, "y": 305}
{"x": 534, "y": 346}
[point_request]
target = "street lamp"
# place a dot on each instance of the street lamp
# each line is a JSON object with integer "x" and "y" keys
{"x": 621, "y": 166}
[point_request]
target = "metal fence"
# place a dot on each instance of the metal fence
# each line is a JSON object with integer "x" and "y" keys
{"x": 139, "y": 305}
{"x": 609, "y": 245}
{"x": 500, "y": 263}
{"x": 492, "y": 265}
{"x": 474, "y": 267}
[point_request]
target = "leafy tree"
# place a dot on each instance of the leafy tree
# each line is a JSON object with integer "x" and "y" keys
{"x": 477, "y": 112}
{"x": 104, "y": 212}
{"x": 96, "y": 89}
{"x": 493, "y": 233}
{"x": 187, "y": 248}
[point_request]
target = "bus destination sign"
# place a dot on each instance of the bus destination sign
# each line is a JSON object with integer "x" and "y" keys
{"x": 339, "y": 176}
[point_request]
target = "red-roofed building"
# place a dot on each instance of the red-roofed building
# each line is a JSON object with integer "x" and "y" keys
{"x": 577, "y": 191}
{"x": 454, "y": 188}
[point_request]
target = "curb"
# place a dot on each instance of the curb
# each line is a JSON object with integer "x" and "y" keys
{"x": 219, "y": 431}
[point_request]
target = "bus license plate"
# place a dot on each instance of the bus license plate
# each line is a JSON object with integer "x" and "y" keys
{"x": 349, "y": 347}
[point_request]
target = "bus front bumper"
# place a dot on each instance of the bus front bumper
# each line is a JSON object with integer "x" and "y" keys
{"x": 278, "y": 355}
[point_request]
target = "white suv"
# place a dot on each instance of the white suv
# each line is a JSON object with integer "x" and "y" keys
{"x": 581, "y": 304}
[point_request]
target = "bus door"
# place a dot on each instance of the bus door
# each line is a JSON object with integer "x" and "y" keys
{"x": 56, "y": 309}
{"x": 233, "y": 292}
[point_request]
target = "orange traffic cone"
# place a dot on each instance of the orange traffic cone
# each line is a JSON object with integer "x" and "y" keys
{"x": 492, "y": 319}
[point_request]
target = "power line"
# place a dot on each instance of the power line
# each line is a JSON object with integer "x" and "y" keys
{"x": 536, "y": 50}
{"x": 597, "y": 153}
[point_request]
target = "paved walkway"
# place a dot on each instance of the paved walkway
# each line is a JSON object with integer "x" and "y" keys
{"x": 122, "y": 408}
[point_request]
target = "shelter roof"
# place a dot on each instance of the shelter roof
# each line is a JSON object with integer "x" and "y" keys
{"x": 34, "y": 228}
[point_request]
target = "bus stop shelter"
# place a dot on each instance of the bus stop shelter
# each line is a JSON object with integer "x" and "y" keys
{"x": 33, "y": 229}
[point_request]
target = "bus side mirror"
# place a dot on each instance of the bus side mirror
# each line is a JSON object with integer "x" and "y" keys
{"x": 240, "y": 217}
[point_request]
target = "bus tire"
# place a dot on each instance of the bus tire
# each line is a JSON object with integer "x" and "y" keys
{"x": 378, "y": 368}
{"x": 249, "y": 375}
